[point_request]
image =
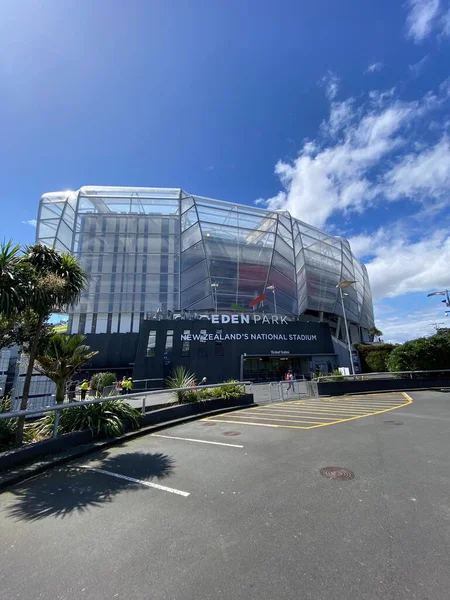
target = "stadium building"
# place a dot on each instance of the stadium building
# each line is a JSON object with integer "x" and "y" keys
{"x": 225, "y": 289}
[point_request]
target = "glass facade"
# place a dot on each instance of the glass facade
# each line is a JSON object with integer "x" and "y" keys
{"x": 150, "y": 250}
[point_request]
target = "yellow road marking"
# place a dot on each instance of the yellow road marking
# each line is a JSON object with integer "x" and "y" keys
{"x": 378, "y": 412}
{"x": 240, "y": 422}
{"x": 274, "y": 419}
{"x": 328, "y": 411}
{"x": 356, "y": 409}
{"x": 258, "y": 424}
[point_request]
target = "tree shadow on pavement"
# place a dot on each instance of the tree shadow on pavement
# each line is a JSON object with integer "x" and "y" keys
{"x": 72, "y": 488}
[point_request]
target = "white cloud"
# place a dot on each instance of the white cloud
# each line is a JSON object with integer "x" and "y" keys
{"x": 360, "y": 158}
{"x": 422, "y": 175}
{"x": 398, "y": 264}
{"x": 330, "y": 82}
{"x": 399, "y": 326}
{"x": 421, "y": 18}
{"x": 376, "y": 66}
{"x": 31, "y": 222}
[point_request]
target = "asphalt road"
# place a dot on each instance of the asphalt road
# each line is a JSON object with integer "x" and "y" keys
{"x": 250, "y": 520}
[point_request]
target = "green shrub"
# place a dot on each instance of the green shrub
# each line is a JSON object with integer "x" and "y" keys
{"x": 103, "y": 419}
{"x": 182, "y": 378}
{"x": 231, "y": 391}
{"x": 374, "y": 357}
{"x": 215, "y": 392}
{"x": 101, "y": 380}
{"x": 192, "y": 396}
{"x": 421, "y": 354}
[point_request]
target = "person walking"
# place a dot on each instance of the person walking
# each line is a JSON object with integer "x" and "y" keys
{"x": 124, "y": 387}
{"x": 130, "y": 385}
{"x": 289, "y": 378}
{"x": 84, "y": 387}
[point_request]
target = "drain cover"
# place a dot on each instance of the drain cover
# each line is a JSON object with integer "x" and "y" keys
{"x": 232, "y": 433}
{"x": 336, "y": 473}
{"x": 208, "y": 424}
{"x": 393, "y": 422}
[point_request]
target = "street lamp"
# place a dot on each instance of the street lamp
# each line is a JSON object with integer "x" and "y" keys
{"x": 214, "y": 287}
{"x": 272, "y": 288}
{"x": 345, "y": 283}
{"x": 443, "y": 293}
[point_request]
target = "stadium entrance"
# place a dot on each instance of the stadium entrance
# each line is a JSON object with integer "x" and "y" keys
{"x": 271, "y": 368}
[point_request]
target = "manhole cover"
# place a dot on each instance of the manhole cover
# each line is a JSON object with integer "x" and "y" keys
{"x": 336, "y": 473}
{"x": 208, "y": 424}
{"x": 393, "y": 422}
{"x": 232, "y": 433}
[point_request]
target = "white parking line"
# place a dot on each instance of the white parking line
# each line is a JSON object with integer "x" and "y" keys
{"x": 172, "y": 437}
{"x": 156, "y": 486}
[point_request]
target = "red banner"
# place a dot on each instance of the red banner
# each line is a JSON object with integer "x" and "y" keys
{"x": 257, "y": 300}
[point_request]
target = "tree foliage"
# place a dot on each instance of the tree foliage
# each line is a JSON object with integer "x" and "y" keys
{"x": 36, "y": 282}
{"x": 101, "y": 380}
{"x": 62, "y": 358}
{"x": 421, "y": 354}
{"x": 374, "y": 357}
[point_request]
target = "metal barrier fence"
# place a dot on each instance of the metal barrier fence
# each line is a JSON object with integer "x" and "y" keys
{"x": 57, "y": 408}
{"x": 281, "y": 391}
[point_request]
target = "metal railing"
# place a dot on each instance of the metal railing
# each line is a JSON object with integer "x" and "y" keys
{"x": 378, "y": 375}
{"x": 57, "y": 408}
{"x": 141, "y": 385}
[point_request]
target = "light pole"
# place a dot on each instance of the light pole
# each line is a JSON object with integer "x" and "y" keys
{"x": 214, "y": 288}
{"x": 343, "y": 285}
{"x": 272, "y": 288}
{"x": 443, "y": 293}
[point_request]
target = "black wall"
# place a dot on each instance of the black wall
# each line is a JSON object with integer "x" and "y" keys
{"x": 219, "y": 361}
{"x": 116, "y": 352}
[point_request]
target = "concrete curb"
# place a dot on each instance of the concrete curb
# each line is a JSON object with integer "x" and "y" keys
{"x": 24, "y": 472}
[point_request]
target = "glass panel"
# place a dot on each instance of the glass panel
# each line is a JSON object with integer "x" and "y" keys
{"x": 283, "y": 265}
{"x": 284, "y": 249}
{"x": 190, "y": 237}
{"x": 188, "y": 219}
{"x": 185, "y": 344}
{"x": 202, "y": 346}
{"x": 195, "y": 293}
{"x": 48, "y": 228}
{"x": 281, "y": 282}
{"x": 285, "y": 234}
{"x": 186, "y": 203}
{"x": 204, "y": 304}
{"x": 169, "y": 340}
{"x": 192, "y": 256}
{"x": 193, "y": 275}
{"x": 151, "y": 343}
{"x": 285, "y": 221}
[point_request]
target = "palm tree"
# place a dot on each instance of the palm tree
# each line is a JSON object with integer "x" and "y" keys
{"x": 375, "y": 332}
{"x": 40, "y": 281}
{"x": 13, "y": 280}
{"x": 64, "y": 355}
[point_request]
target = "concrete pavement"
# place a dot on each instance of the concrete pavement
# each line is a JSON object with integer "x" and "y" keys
{"x": 241, "y": 512}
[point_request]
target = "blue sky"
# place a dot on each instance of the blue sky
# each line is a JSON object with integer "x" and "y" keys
{"x": 337, "y": 111}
